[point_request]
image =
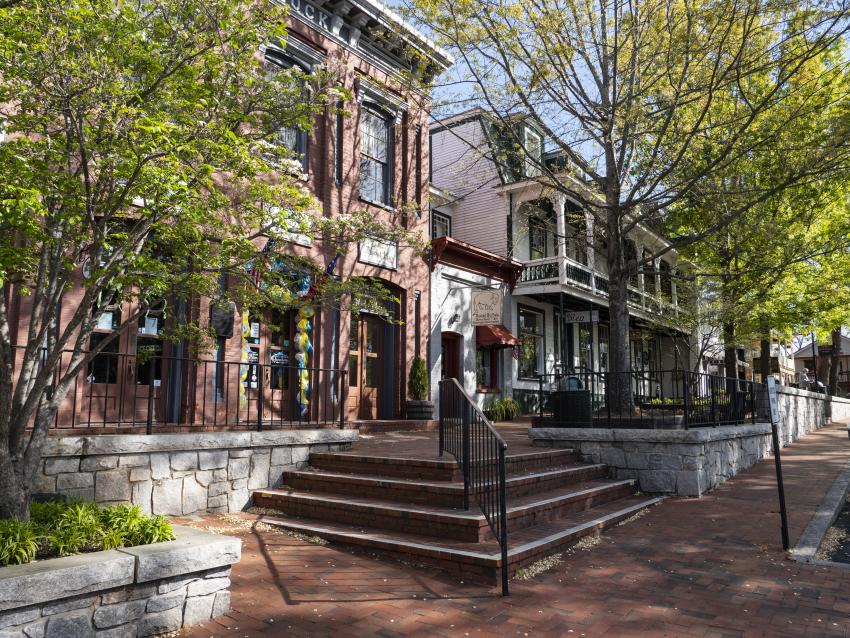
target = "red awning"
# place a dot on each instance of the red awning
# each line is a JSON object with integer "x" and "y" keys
{"x": 494, "y": 336}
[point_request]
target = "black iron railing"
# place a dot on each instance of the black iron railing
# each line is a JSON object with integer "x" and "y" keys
{"x": 121, "y": 392}
{"x": 659, "y": 399}
{"x": 466, "y": 434}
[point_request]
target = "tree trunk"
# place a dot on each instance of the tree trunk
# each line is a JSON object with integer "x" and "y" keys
{"x": 764, "y": 354}
{"x": 620, "y": 397}
{"x": 833, "y": 361}
{"x": 14, "y": 493}
{"x": 730, "y": 352}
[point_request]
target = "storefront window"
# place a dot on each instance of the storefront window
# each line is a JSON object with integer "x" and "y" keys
{"x": 485, "y": 367}
{"x": 531, "y": 348}
{"x": 104, "y": 367}
{"x": 585, "y": 336}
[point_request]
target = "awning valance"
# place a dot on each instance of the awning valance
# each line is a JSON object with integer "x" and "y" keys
{"x": 494, "y": 336}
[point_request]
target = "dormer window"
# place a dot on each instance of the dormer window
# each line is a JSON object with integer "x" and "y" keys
{"x": 534, "y": 152}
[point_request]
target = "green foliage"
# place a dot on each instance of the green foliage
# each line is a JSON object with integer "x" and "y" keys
{"x": 18, "y": 542}
{"x": 417, "y": 382}
{"x": 505, "y": 409}
{"x": 143, "y": 157}
{"x": 58, "y": 528}
{"x": 511, "y": 408}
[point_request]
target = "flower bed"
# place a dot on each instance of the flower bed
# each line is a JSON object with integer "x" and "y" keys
{"x": 131, "y": 591}
{"x": 58, "y": 528}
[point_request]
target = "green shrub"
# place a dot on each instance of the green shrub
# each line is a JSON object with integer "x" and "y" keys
{"x": 511, "y": 408}
{"x": 494, "y": 410}
{"x": 417, "y": 382}
{"x": 58, "y": 528}
{"x": 18, "y": 542}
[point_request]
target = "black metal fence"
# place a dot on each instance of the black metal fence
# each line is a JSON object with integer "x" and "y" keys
{"x": 122, "y": 392}
{"x": 466, "y": 434}
{"x": 663, "y": 399}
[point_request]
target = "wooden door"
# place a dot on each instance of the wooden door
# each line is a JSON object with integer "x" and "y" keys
{"x": 451, "y": 357}
{"x": 372, "y": 360}
{"x": 281, "y": 377}
{"x": 366, "y": 361}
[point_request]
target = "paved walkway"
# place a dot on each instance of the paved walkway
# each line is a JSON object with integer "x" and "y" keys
{"x": 709, "y": 567}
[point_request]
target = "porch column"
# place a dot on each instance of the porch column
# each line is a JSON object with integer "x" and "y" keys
{"x": 559, "y": 202}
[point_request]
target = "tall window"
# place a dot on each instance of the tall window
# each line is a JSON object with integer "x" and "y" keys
{"x": 338, "y": 146}
{"x": 441, "y": 225}
{"x": 666, "y": 277}
{"x": 631, "y": 262}
{"x": 149, "y": 346}
{"x": 375, "y": 157}
{"x": 648, "y": 273}
{"x": 534, "y": 152}
{"x": 531, "y": 338}
{"x": 290, "y": 138}
{"x": 538, "y": 238}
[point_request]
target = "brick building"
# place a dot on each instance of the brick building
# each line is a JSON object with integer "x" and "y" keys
{"x": 373, "y": 158}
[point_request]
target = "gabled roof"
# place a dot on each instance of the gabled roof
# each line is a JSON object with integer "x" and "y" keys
{"x": 806, "y": 351}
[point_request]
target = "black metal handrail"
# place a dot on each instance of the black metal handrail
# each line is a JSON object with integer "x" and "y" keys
{"x": 128, "y": 392}
{"x": 667, "y": 399}
{"x": 466, "y": 434}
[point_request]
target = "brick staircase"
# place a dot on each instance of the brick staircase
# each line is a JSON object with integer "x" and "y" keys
{"x": 412, "y": 508}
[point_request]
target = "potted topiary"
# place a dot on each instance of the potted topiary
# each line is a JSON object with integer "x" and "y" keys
{"x": 418, "y": 407}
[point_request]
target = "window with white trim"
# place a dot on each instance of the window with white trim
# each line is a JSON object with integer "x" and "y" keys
{"x": 534, "y": 152}
{"x": 288, "y": 137}
{"x": 531, "y": 343}
{"x": 375, "y": 156}
{"x": 441, "y": 225}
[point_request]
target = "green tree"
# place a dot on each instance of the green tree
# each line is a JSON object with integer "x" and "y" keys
{"x": 141, "y": 162}
{"x": 628, "y": 92}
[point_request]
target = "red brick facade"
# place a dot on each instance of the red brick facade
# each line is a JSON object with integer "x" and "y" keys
{"x": 365, "y": 70}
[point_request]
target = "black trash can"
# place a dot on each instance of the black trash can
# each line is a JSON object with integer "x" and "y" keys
{"x": 571, "y": 406}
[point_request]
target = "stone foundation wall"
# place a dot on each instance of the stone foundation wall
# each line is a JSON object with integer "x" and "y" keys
{"x": 178, "y": 474}
{"x": 138, "y": 591}
{"x": 802, "y": 412}
{"x": 680, "y": 462}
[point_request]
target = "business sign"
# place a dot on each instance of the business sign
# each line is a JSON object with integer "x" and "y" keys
{"x": 331, "y": 24}
{"x": 379, "y": 253}
{"x": 582, "y": 316}
{"x": 486, "y": 307}
{"x": 827, "y": 351}
{"x": 774, "y": 401}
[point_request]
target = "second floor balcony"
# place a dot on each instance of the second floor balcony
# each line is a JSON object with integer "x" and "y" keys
{"x": 555, "y": 274}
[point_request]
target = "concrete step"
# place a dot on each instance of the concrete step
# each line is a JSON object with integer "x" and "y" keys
{"x": 436, "y": 493}
{"x": 455, "y": 524}
{"x": 473, "y": 560}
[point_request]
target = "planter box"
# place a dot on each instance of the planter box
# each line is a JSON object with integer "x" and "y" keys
{"x": 135, "y": 591}
{"x": 419, "y": 410}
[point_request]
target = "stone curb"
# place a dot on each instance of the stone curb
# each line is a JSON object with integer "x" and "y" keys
{"x": 58, "y": 578}
{"x": 144, "y": 443}
{"x": 809, "y": 542}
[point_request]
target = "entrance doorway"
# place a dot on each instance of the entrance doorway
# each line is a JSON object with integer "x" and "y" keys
{"x": 271, "y": 344}
{"x": 368, "y": 360}
{"x": 452, "y": 357}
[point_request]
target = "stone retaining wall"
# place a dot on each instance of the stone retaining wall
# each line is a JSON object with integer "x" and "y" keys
{"x": 137, "y": 591}
{"x": 680, "y": 462}
{"x": 178, "y": 474}
{"x": 691, "y": 462}
{"x": 802, "y": 412}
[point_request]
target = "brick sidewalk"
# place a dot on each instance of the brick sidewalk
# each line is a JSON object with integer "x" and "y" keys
{"x": 707, "y": 567}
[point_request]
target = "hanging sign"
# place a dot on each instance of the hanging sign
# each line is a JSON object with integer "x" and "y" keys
{"x": 486, "y": 307}
{"x": 582, "y": 316}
